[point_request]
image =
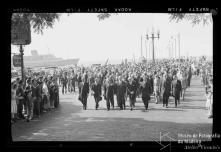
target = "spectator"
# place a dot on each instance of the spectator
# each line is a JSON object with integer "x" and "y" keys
{"x": 21, "y": 101}
{"x": 13, "y": 102}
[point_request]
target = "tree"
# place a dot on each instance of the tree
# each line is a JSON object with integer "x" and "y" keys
{"x": 102, "y": 16}
{"x": 195, "y": 18}
{"x": 39, "y": 21}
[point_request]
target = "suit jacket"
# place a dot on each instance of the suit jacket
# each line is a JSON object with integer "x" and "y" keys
{"x": 132, "y": 88}
{"x": 166, "y": 87}
{"x": 110, "y": 91}
{"x": 85, "y": 90}
{"x": 97, "y": 89}
{"x": 176, "y": 87}
{"x": 121, "y": 90}
{"x": 146, "y": 91}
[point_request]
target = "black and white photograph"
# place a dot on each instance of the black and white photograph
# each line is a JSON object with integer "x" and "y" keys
{"x": 119, "y": 76}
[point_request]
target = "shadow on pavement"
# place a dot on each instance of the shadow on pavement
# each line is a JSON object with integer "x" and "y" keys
{"x": 166, "y": 109}
{"x": 115, "y": 129}
{"x": 64, "y": 110}
{"x": 192, "y": 107}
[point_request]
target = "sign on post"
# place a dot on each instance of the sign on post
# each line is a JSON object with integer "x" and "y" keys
{"x": 17, "y": 60}
{"x": 20, "y": 32}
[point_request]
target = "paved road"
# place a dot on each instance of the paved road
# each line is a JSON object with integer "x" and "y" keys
{"x": 71, "y": 123}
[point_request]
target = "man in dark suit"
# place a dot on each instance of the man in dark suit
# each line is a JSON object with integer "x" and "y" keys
{"x": 56, "y": 93}
{"x": 145, "y": 91}
{"x": 189, "y": 76}
{"x": 96, "y": 88}
{"x": 166, "y": 90}
{"x": 84, "y": 92}
{"x": 64, "y": 81}
{"x": 73, "y": 81}
{"x": 109, "y": 93}
{"x": 21, "y": 101}
{"x": 176, "y": 89}
{"x": 29, "y": 100}
{"x": 121, "y": 91}
{"x": 38, "y": 98}
{"x": 79, "y": 81}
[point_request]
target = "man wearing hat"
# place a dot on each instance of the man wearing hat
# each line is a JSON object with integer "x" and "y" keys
{"x": 21, "y": 101}
{"x": 131, "y": 89}
{"x": 121, "y": 92}
{"x": 109, "y": 93}
{"x": 28, "y": 92}
{"x": 84, "y": 92}
{"x": 56, "y": 93}
{"x": 35, "y": 98}
{"x": 176, "y": 89}
{"x": 64, "y": 81}
{"x": 166, "y": 90}
{"x": 96, "y": 88}
{"x": 145, "y": 91}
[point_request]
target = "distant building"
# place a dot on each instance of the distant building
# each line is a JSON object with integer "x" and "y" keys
{"x": 36, "y": 60}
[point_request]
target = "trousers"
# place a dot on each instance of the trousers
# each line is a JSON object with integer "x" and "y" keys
{"x": 30, "y": 107}
{"x": 110, "y": 101}
{"x": 165, "y": 99}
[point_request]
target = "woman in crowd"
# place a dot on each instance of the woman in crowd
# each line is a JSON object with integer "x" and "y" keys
{"x": 13, "y": 102}
{"x": 210, "y": 98}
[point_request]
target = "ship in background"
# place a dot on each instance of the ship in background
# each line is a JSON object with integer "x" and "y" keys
{"x": 47, "y": 60}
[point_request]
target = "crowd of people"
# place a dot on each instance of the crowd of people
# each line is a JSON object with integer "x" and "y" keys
{"x": 34, "y": 96}
{"x": 161, "y": 79}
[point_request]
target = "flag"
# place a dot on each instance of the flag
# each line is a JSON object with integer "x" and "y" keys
{"x": 106, "y": 62}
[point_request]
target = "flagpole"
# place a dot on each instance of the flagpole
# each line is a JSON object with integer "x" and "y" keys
{"x": 141, "y": 48}
{"x": 146, "y": 48}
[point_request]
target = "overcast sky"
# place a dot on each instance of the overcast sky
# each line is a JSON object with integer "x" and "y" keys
{"x": 82, "y": 35}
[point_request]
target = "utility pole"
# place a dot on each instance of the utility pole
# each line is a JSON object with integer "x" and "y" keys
{"x": 172, "y": 49}
{"x": 175, "y": 46}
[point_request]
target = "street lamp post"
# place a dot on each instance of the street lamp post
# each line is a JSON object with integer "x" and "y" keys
{"x": 153, "y": 37}
{"x": 22, "y": 63}
{"x": 179, "y": 44}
